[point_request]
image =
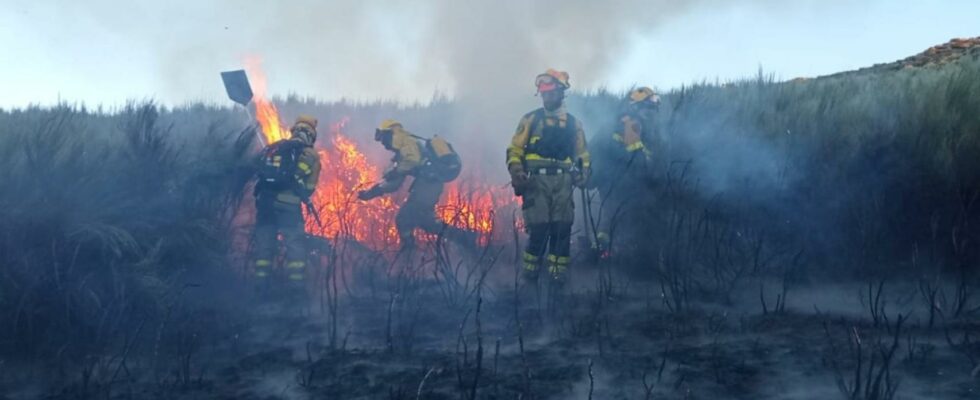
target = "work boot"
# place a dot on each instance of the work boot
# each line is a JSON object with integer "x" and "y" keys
{"x": 262, "y": 268}
{"x": 530, "y": 289}
{"x": 292, "y": 295}
{"x": 530, "y": 276}
{"x": 558, "y": 270}
{"x": 263, "y": 282}
{"x": 296, "y": 271}
{"x": 530, "y": 272}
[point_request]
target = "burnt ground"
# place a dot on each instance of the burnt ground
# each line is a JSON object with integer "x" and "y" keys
{"x": 411, "y": 338}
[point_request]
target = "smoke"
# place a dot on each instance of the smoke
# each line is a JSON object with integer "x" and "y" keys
{"x": 473, "y": 50}
{"x": 382, "y": 49}
{"x": 491, "y": 51}
{"x": 484, "y": 54}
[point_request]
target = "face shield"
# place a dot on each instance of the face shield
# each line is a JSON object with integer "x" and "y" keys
{"x": 384, "y": 136}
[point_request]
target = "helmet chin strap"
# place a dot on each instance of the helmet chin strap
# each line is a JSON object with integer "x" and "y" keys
{"x": 305, "y": 135}
{"x": 553, "y": 106}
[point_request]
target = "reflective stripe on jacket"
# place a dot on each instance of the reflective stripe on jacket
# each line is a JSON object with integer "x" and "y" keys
{"x": 530, "y": 128}
{"x": 307, "y": 176}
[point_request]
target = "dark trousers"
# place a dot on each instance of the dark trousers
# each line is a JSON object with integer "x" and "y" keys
{"x": 419, "y": 212}
{"x": 549, "y": 212}
{"x": 273, "y": 218}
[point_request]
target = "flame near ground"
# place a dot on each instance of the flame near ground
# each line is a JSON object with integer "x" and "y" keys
{"x": 346, "y": 170}
{"x": 468, "y": 202}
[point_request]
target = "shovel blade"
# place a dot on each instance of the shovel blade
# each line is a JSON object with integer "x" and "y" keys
{"x": 237, "y": 86}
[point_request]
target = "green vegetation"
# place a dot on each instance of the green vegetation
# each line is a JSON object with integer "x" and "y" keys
{"x": 102, "y": 215}
{"x": 108, "y": 218}
{"x": 862, "y": 171}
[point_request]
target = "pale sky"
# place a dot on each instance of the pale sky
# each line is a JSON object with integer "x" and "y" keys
{"x": 107, "y": 52}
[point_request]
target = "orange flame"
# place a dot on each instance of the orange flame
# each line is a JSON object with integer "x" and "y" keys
{"x": 467, "y": 203}
{"x": 345, "y": 171}
{"x": 471, "y": 205}
{"x": 266, "y": 113}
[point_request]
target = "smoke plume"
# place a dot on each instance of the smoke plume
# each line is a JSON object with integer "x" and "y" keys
{"x": 483, "y": 53}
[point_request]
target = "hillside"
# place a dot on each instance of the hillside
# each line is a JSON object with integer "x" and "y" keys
{"x": 782, "y": 237}
{"x": 934, "y": 57}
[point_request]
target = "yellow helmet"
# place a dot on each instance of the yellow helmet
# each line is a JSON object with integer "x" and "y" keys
{"x": 384, "y": 132}
{"x": 643, "y": 94}
{"x": 306, "y": 120}
{"x": 388, "y": 124}
{"x": 551, "y": 79}
{"x": 305, "y": 128}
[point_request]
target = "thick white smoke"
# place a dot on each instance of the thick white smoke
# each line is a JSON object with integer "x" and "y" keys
{"x": 487, "y": 51}
{"x": 484, "y": 54}
{"x": 491, "y": 51}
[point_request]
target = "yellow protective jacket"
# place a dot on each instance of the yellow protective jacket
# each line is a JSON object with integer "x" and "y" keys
{"x": 630, "y": 134}
{"x": 307, "y": 174}
{"x": 407, "y": 159}
{"x": 530, "y": 131}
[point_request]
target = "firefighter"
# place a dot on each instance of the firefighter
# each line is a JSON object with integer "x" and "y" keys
{"x": 624, "y": 158}
{"x": 636, "y": 123}
{"x": 429, "y": 174}
{"x": 287, "y": 178}
{"x": 547, "y": 156}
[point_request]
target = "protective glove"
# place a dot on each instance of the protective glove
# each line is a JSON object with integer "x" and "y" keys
{"x": 299, "y": 188}
{"x": 391, "y": 173}
{"x": 370, "y": 193}
{"x": 518, "y": 179}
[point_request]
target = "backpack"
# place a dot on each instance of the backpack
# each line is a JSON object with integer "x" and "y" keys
{"x": 442, "y": 163}
{"x": 554, "y": 142}
{"x": 277, "y": 171}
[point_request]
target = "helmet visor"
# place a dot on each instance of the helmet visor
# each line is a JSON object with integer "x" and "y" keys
{"x": 379, "y": 134}
{"x": 546, "y": 83}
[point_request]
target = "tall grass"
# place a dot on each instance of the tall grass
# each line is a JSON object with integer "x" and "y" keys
{"x": 105, "y": 216}
{"x": 865, "y": 171}
{"x": 101, "y": 216}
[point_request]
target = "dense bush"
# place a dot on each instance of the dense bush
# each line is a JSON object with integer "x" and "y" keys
{"x": 101, "y": 216}
{"x": 864, "y": 172}
{"x": 105, "y": 215}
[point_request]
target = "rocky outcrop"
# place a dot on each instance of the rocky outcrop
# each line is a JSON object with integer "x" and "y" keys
{"x": 934, "y": 56}
{"x": 941, "y": 54}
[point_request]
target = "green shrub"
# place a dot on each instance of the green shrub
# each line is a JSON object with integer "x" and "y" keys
{"x": 104, "y": 214}
{"x": 864, "y": 171}
{"x": 100, "y": 215}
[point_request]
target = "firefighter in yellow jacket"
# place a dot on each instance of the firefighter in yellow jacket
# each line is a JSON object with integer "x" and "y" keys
{"x": 636, "y": 124}
{"x": 287, "y": 178}
{"x": 429, "y": 175}
{"x": 623, "y": 158}
{"x": 547, "y": 156}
